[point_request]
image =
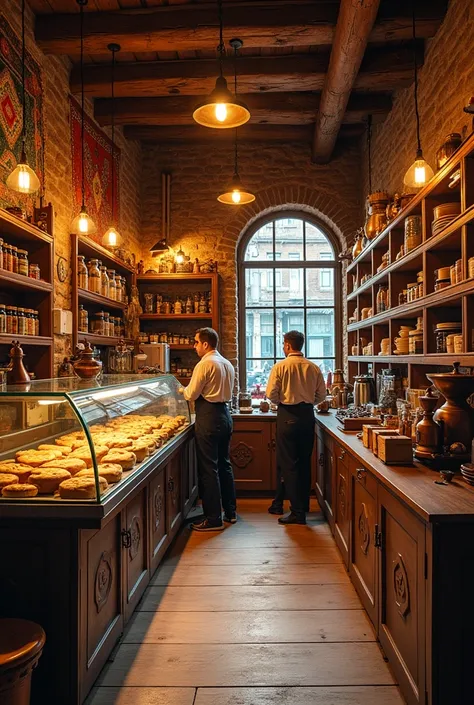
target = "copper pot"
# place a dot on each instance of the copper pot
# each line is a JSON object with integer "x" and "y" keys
{"x": 87, "y": 367}
{"x": 377, "y": 214}
{"x": 456, "y": 416}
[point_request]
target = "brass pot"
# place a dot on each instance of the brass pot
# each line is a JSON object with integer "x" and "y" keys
{"x": 358, "y": 246}
{"x": 377, "y": 214}
{"x": 87, "y": 367}
{"x": 456, "y": 416}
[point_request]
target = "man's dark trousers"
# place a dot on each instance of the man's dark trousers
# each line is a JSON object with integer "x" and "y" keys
{"x": 294, "y": 446}
{"x": 215, "y": 476}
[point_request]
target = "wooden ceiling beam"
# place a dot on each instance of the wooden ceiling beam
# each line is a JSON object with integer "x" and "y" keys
{"x": 272, "y": 108}
{"x": 383, "y": 68}
{"x": 196, "y": 134}
{"x": 354, "y": 25}
{"x": 266, "y": 23}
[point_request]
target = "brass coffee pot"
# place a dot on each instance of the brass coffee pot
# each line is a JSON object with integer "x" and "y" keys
{"x": 376, "y": 213}
{"x": 456, "y": 416}
{"x": 428, "y": 432}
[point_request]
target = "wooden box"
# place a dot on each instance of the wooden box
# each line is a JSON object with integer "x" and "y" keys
{"x": 395, "y": 450}
{"x": 377, "y": 432}
{"x": 367, "y": 434}
{"x": 357, "y": 424}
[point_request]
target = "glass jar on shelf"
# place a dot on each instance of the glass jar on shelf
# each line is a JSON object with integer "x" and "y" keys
{"x": 22, "y": 322}
{"x": 112, "y": 284}
{"x": 148, "y": 301}
{"x": 94, "y": 276}
{"x": 245, "y": 402}
{"x": 3, "y": 319}
{"x": 23, "y": 262}
{"x": 442, "y": 330}
{"x": 83, "y": 322}
{"x": 14, "y": 259}
{"x": 104, "y": 281}
{"x": 82, "y": 273}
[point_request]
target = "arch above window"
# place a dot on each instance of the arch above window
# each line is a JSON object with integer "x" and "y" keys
{"x": 289, "y": 238}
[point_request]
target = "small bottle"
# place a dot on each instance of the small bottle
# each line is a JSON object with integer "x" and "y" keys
{"x": 82, "y": 273}
{"x": 202, "y": 304}
{"x": 22, "y": 322}
{"x": 83, "y": 320}
{"x": 3, "y": 319}
{"x": 166, "y": 308}
{"x": 104, "y": 281}
{"x": 7, "y": 257}
{"x": 23, "y": 262}
{"x": 112, "y": 284}
{"x": 36, "y": 323}
{"x": 106, "y": 323}
{"x": 196, "y": 303}
{"x": 189, "y": 305}
{"x": 14, "y": 320}
{"x": 178, "y": 306}
{"x": 94, "y": 276}
{"x": 34, "y": 271}
{"x": 30, "y": 323}
{"x": 381, "y": 302}
{"x": 14, "y": 250}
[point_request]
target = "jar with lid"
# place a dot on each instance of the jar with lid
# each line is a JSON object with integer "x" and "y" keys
{"x": 94, "y": 276}
{"x": 412, "y": 292}
{"x": 14, "y": 250}
{"x": 189, "y": 305}
{"x": 83, "y": 320}
{"x": 82, "y": 273}
{"x": 22, "y": 322}
{"x": 447, "y": 149}
{"x": 163, "y": 337}
{"x": 124, "y": 290}
{"x": 381, "y": 301}
{"x": 22, "y": 264}
{"x": 107, "y": 323}
{"x": 118, "y": 287}
{"x": 178, "y": 306}
{"x": 112, "y": 284}
{"x": 166, "y": 307}
{"x": 36, "y": 323}
{"x": 245, "y": 403}
{"x": 202, "y": 304}
{"x": 442, "y": 330}
{"x": 34, "y": 271}
{"x": 7, "y": 257}
{"x": 3, "y": 319}
{"x": 148, "y": 300}
{"x": 104, "y": 281}
{"x": 30, "y": 324}
{"x": 415, "y": 342}
{"x": 196, "y": 303}
{"x": 12, "y": 320}
{"x": 99, "y": 323}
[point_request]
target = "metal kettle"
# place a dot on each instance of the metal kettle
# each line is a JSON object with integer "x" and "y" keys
{"x": 364, "y": 390}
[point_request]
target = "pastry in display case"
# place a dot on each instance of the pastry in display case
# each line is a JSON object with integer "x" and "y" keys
{"x": 95, "y": 435}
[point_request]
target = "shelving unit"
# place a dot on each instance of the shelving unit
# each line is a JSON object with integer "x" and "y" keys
{"x": 96, "y": 302}
{"x": 22, "y": 291}
{"x": 182, "y": 285}
{"x": 453, "y": 303}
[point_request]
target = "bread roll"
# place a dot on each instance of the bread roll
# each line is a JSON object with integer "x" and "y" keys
{"x": 81, "y": 488}
{"x": 6, "y": 478}
{"x": 47, "y": 480}
{"x": 35, "y": 458}
{"x": 126, "y": 459}
{"x": 84, "y": 454}
{"x": 20, "y": 490}
{"x": 21, "y": 471}
{"x": 64, "y": 450}
{"x": 112, "y": 472}
{"x": 72, "y": 465}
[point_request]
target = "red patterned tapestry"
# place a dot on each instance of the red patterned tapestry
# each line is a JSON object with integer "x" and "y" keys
{"x": 97, "y": 171}
{"x": 11, "y": 111}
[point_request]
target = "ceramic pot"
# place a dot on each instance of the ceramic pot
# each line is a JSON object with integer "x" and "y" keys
{"x": 87, "y": 367}
{"x": 377, "y": 214}
{"x": 456, "y": 416}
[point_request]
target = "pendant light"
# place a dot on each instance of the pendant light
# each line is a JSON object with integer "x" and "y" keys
{"x": 23, "y": 179}
{"x": 112, "y": 239}
{"x": 236, "y": 195}
{"x": 420, "y": 171}
{"x": 82, "y": 223}
{"x": 221, "y": 110}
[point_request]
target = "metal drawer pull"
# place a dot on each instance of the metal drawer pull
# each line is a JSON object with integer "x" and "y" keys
{"x": 343, "y": 455}
{"x": 361, "y": 472}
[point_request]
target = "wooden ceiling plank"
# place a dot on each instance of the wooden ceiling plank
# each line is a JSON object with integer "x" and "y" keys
{"x": 354, "y": 25}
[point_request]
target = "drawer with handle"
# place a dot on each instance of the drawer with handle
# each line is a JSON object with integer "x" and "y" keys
{"x": 364, "y": 477}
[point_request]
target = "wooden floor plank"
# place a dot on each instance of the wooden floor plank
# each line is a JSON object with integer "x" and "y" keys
{"x": 257, "y": 556}
{"x": 361, "y": 695}
{"x": 220, "y": 665}
{"x": 249, "y": 598}
{"x": 248, "y": 627}
{"x": 231, "y": 539}
{"x": 250, "y": 575}
{"x": 141, "y": 696}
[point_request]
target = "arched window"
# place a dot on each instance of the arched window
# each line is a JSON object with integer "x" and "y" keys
{"x": 288, "y": 279}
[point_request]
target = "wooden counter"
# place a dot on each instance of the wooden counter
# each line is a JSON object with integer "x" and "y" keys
{"x": 80, "y": 569}
{"x": 408, "y": 545}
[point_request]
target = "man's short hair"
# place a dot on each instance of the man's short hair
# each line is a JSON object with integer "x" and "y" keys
{"x": 295, "y": 339}
{"x": 208, "y": 335}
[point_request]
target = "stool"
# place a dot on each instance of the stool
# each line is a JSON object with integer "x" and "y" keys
{"x": 21, "y": 644}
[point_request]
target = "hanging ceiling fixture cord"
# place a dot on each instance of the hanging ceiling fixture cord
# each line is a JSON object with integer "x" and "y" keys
{"x": 23, "y": 60}
{"x": 113, "y": 140}
{"x": 415, "y": 72}
{"x": 82, "y": 3}
{"x": 369, "y": 146}
{"x": 221, "y": 47}
{"x": 236, "y": 172}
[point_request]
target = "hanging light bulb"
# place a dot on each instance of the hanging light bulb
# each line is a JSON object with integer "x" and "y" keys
{"x": 23, "y": 178}
{"x": 420, "y": 171}
{"x": 83, "y": 223}
{"x": 180, "y": 256}
{"x": 112, "y": 239}
{"x": 221, "y": 109}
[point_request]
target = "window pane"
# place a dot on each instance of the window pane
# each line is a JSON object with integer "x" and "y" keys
{"x": 287, "y": 319}
{"x": 259, "y": 287}
{"x": 258, "y": 372}
{"x": 259, "y": 333}
{"x": 317, "y": 244}
{"x": 289, "y": 238}
{"x": 325, "y": 365}
{"x": 260, "y": 246}
{"x": 320, "y": 333}
{"x": 319, "y": 287}
{"x": 289, "y": 287}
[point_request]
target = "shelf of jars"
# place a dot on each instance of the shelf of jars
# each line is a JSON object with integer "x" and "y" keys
{"x": 26, "y": 289}
{"x": 175, "y": 316}
{"x": 99, "y": 340}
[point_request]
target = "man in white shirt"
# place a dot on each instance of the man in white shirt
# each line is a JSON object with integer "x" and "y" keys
{"x": 210, "y": 388}
{"x": 295, "y": 385}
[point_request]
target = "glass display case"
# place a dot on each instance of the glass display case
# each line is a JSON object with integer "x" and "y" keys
{"x": 70, "y": 440}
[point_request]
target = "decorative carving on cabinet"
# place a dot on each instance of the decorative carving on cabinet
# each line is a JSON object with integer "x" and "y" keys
{"x": 173, "y": 489}
{"x": 241, "y": 455}
{"x": 104, "y": 577}
{"x": 157, "y": 506}
{"x": 364, "y": 529}
{"x": 135, "y": 537}
{"x": 401, "y": 587}
{"x": 342, "y": 495}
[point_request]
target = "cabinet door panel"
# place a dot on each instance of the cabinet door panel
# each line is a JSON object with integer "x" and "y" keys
{"x": 190, "y": 476}
{"x": 342, "y": 511}
{"x": 135, "y": 552}
{"x": 158, "y": 524}
{"x": 363, "y": 554}
{"x": 319, "y": 486}
{"x": 173, "y": 502}
{"x": 402, "y": 603}
{"x": 329, "y": 479}
{"x": 252, "y": 455}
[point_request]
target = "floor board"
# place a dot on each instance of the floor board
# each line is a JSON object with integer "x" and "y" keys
{"x": 143, "y": 696}
{"x": 360, "y": 695}
{"x": 302, "y": 555}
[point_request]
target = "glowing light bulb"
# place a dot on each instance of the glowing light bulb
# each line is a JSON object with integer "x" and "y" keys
{"x": 83, "y": 223}
{"x": 221, "y": 112}
{"x": 112, "y": 238}
{"x": 180, "y": 257}
{"x": 420, "y": 174}
{"x": 23, "y": 179}
{"x": 236, "y": 196}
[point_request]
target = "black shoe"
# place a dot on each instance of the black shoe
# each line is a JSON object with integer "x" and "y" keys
{"x": 275, "y": 509}
{"x": 292, "y": 519}
{"x": 230, "y": 517}
{"x": 208, "y": 525}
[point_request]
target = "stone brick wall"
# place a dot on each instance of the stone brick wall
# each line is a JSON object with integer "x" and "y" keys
{"x": 282, "y": 177}
{"x": 58, "y": 165}
{"x": 446, "y": 81}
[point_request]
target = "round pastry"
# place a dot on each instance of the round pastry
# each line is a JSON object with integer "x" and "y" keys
{"x": 112, "y": 472}
{"x": 113, "y": 440}
{"x": 69, "y": 438}
{"x": 125, "y": 458}
{"x": 19, "y": 490}
{"x": 6, "y": 465}
{"x": 47, "y": 480}
{"x": 72, "y": 465}
{"x": 21, "y": 471}
{"x": 6, "y": 478}
{"x": 84, "y": 454}
{"x": 81, "y": 487}
{"x": 150, "y": 441}
{"x": 35, "y": 458}
{"x": 57, "y": 450}
{"x": 140, "y": 449}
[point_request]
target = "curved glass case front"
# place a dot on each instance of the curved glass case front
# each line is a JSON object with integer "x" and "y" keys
{"x": 71, "y": 440}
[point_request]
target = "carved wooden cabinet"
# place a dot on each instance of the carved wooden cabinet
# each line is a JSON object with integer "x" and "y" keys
{"x": 189, "y": 477}
{"x": 319, "y": 461}
{"x": 174, "y": 510}
{"x": 158, "y": 523}
{"x": 329, "y": 471}
{"x": 342, "y": 502}
{"x": 252, "y": 453}
{"x": 135, "y": 557}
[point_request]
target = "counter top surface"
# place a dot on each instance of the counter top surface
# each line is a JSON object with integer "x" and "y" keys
{"x": 415, "y": 485}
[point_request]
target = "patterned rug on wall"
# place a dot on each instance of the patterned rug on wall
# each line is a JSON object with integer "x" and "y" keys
{"x": 97, "y": 171}
{"x": 11, "y": 111}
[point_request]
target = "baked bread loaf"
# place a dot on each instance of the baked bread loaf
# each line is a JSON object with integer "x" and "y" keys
{"x": 35, "y": 458}
{"x": 47, "y": 480}
{"x": 81, "y": 487}
{"x": 72, "y": 465}
{"x": 140, "y": 449}
{"x": 112, "y": 472}
{"x": 6, "y": 478}
{"x": 21, "y": 471}
{"x": 84, "y": 454}
{"x": 125, "y": 458}
{"x": 64, "y": 450}
{"x": 19, "y": 490}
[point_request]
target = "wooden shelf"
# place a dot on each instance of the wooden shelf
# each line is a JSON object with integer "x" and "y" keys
{"x": 174, "y": 317}
{"x": 10, "y": 280}
{"x": 85, "y": 295}
{"x": 173, "y": 346}
{"x": 465, "y": 359}
{"x": 104, "y": 340}
{"x": 17, "y": 227}
{"x": 175, "y": 277}
{"x": 90, "y": 248}
{"x": 45, "y": 341}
